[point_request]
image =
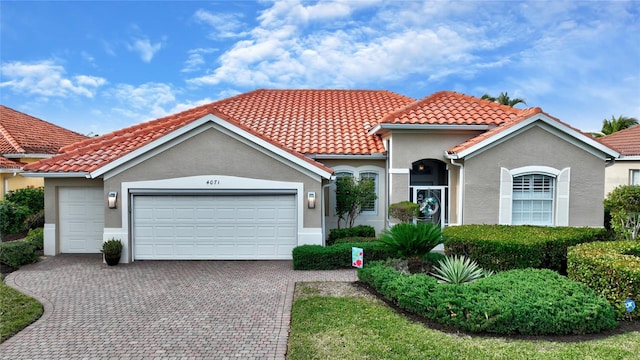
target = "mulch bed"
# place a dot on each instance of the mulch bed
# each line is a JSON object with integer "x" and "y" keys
{"x": 623, "y": 326}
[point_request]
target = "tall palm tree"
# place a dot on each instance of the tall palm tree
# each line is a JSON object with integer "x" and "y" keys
{"x": 609, "y": 126}
{"x": 504, "y": 99}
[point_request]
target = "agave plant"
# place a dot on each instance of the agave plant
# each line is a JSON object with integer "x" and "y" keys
{"x": 459, "y": 270}
{"x": 412, "y": 241}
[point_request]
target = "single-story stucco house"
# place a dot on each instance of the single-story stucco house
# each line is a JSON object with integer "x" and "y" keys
{"x": 626, "y": 168}
{"x": 25, "y": 139}
{"x": 252, "y": 176}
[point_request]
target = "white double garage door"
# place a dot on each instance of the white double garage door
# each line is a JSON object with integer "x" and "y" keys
{"x": 210, "y": 226}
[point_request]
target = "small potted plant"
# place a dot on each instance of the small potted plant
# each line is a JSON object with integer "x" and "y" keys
{"x": 112, "y": 249}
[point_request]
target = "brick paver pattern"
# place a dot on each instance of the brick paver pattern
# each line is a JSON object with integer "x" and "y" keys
{"x": 158, "y": 309}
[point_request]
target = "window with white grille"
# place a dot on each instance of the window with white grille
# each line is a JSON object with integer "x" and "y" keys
{"x": 532, "y": 200}
{"x": 634, "y": 177}
{"x": 371, "y": 206}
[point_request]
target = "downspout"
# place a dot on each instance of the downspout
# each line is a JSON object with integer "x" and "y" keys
{"x": 460, "y": 186}
{"x": 322, "y": 210}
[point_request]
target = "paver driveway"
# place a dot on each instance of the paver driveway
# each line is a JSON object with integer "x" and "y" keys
{"x": 158, "y": 309}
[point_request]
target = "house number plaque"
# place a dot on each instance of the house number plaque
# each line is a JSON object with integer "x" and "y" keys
{"x": 213, "y": 182}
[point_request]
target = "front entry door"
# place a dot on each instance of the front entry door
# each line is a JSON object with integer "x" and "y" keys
{"x": 433, "y": 203}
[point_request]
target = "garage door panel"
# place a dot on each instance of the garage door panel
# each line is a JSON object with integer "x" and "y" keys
{"x": 214, "y": 227}
{"x": 81, "y": 219}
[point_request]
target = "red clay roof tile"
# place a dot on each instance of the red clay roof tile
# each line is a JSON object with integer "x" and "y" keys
{"x": 448, "y": 107}
{"x": 24, "y": 134}
{"x": 299, "y": 121}
{"x": 626, "y": 142}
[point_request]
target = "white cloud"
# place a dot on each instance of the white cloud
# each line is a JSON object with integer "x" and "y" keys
{"x": 196, "y": 59}
{"x": 224, "y": 25}
{"x": 146, "y": 101}
{"x": 145, "y": 48}
{"x": 46, "y": 78}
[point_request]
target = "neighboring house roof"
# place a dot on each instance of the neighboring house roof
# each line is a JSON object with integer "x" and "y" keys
{"x": 22, "y": 134}
{"x": 8, "y": 165}
{"x": 626, "y": 141}
{"x": 297, "y": 121}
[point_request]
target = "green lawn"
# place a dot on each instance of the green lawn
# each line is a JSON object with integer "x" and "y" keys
{"x": 16, "y": 311}
{"x": 361, "y": 328}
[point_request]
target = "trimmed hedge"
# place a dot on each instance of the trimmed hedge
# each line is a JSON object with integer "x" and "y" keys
{"x": 316, "y": 257}
{"x": 18, "y": 252}
{"x": 36, "y": 237}
{"x": 529, "y": 301}
{"x": 611, "y": 269}
{"x": 356, "y": 231}
{"x": 503, "y": 247}
{"x": 355, "y": 239}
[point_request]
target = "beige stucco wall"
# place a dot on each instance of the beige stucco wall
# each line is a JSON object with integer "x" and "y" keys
{"x": 212, "y": 153}
{"x": 408, "y": 147}
{"x": 534, "y": 146}
{"x": 51, "y": 186}
{"x": 618, "y": 174}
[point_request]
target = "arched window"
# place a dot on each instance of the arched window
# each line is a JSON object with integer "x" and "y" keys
{"x": 534, "y": 195}
{"x": 532, "y": 200}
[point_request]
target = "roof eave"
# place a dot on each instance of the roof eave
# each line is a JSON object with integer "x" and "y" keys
{"x": 381, "y": 127}
{"x": 57, "y": 174}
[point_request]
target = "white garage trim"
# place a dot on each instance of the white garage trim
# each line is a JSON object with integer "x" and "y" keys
{"x": 211, "y": 183}
{"x": 80, "y": 219}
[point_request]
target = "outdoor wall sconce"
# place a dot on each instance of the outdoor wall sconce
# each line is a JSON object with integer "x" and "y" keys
{"x": 311, "y": 200}
{"x": 111, "y": 199}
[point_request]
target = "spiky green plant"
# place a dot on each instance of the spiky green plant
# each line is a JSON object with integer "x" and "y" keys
{"x": 459, "y": 270}
{"x": 412, "y": 241}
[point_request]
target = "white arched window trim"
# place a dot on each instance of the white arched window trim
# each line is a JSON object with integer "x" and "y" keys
{"x": 561, "y": 197}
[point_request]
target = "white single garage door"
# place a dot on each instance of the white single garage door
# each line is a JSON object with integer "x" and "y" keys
{"x": 81, "y": 219}
{"x": 214, "y": 227}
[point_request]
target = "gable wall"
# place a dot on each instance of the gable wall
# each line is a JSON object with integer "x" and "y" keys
{"x": 534, "y": 146}
{"x": 212, "y": 153}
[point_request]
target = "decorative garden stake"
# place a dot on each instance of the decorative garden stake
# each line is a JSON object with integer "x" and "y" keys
{"x": 357, "y": 257}
{"x": 629, "y": 305}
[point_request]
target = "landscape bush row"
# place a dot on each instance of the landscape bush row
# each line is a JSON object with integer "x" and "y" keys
{"x": 338, "y": 256}
{"x": 611, "y": 269}
{"x": 502, "y": 247}
{"x": 363, "y": 231}
{"x": 25, "y": 251}
{"x": 21, "y": 210}
{"x": 528, "y": 301}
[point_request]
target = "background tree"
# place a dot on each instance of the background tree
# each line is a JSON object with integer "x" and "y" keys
{"x": 351, "y": 196}
{"x": 504, "y": 99}
{"x": 609, "y": 126}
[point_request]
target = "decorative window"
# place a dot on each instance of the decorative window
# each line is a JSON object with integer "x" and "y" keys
{"x": 370, "y": 208}
{"x": 634, "y": 177}
{"x": 534, "y": 195}
{"x": 532, "y": 200}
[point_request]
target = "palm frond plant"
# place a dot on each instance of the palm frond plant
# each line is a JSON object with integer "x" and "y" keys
{"x": 412, "y": 242}
{"x": 459, "y": 270}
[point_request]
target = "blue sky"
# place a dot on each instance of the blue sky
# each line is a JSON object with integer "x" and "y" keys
{"x": 94, "y": 67}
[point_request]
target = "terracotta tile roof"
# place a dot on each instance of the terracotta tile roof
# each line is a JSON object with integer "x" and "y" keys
{"x": 9, "y": 164}
{"x": 298, "y": 121}
{"x": 626, "y": 142}
{"x": 316, "y": 121}
{"x": 24, "y": 134}
{"x": 448, "y": 107}
{"x": 524, "y": 114}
